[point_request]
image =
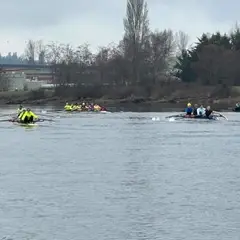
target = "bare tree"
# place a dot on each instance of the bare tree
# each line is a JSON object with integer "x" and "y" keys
{"x": 162, "y": 49}
{"x": 103, "y": 55}
{"x": 68, "y": 53}
{"x": 136, "y": 25}
{"x": 30, "y": 51}
{"x": 54, "y": 53}
{"x": 84, "y": 55}
{"x": 101, "y": 61}
{"x": 41, "y": 50}
{"x": 182, "y": 40}
{"x": 69, "y": 63}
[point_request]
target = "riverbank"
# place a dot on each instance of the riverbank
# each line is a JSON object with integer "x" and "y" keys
{"x": 169, "y": 99}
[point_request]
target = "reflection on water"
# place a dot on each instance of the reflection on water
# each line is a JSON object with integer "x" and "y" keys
{"x": 120, "y": 176}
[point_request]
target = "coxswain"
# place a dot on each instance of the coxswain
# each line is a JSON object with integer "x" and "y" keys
{"x": 208, "y": 112}
{"x": 27, "y": 116}
{"x": 194, "y": 110}
{"x": 189, "y": 109}
{"x": 20, "y": 109}
{"x": 201, "y": 111}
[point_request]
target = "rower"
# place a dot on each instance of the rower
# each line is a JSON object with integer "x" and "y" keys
{"x": 97, "y": 108}
{"x": 20, "y": 116}
{"x": 201, "y": 111}
{"x": 103, "y": 109}
{"x": 84, "y": 107}
{"x": 189, "y": 109}
{"x": 91, "y": 107}
{"x": 237, "y": 107}
{"x": 195, "y": 110}
{"x": 208, "y": 112}
{"x": 67, "y": 107}
{"x": 27, "y": 116}
{"x": 75, "y": 107}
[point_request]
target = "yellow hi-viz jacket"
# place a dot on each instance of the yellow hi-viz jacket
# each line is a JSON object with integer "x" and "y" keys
{"x": 27, "y": 114}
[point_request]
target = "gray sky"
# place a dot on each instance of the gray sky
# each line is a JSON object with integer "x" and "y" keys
{"x": 101, "y": 22}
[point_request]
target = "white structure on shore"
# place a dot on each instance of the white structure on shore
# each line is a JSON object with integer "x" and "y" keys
{"x": 17, "y": 81}
{"x": 25, "y": 76}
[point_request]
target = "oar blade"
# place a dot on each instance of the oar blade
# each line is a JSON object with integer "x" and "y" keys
{"x": 176, "y": 116}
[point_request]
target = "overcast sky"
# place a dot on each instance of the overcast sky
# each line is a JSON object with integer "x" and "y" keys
{"x": 100, "y": 22}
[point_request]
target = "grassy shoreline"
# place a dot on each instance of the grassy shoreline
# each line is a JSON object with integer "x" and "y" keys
{"x": 170, "y": 103}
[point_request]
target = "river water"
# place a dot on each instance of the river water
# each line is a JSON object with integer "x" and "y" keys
{"x": 118, "y": 176}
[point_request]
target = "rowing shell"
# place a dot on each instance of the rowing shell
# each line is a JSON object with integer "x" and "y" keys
{"x": 215, "y": 116}
{"x": 85, "y": 111}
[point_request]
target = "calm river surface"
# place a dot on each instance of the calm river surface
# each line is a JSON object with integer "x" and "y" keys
{"x": 120, "y": 176}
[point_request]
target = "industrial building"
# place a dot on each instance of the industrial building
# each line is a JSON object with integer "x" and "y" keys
{"x": 22, "y": 76}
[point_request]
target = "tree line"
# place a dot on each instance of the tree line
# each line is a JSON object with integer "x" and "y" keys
{"x": 213, "y": 60}
{"x": 143, "y": 58}
{"x": 11, "y": 58}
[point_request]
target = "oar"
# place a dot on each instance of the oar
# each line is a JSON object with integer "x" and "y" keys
{"x": 221, "y": 115}
{"x": 179, "y": 115}
{"x": 9, "y": 114}
{"x": 6, "y": 120}
{"x": 9, "y": 120}
{"x": 44, "y": 119}
{"x": 43, "y": 114}
{"x": 15, "y": 119}
{"x": 51, "y": 111}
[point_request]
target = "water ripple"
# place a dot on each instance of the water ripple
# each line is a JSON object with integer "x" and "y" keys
{"x": 120, "y": 176}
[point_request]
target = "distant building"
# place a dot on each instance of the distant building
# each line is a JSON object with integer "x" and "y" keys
{"x": 16, "y": 81}
{"x": 40, "y": 72}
